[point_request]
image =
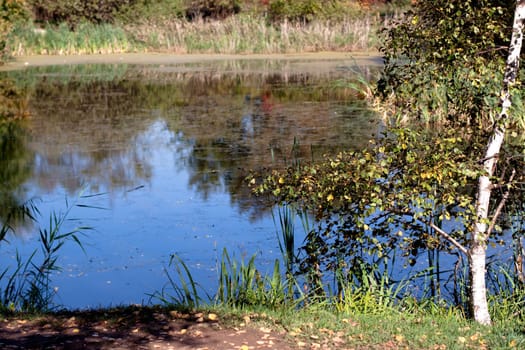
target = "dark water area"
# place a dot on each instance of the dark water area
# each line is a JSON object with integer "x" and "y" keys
{"x": 156, "y": 155}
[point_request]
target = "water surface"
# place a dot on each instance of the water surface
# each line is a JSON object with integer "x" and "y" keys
{"x": 161, "y": 151}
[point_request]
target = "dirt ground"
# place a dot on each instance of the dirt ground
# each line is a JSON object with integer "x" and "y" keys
{"x": 137, "y": 328}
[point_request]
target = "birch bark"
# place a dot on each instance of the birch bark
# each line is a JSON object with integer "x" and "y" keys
{"x": 478, "y": 247}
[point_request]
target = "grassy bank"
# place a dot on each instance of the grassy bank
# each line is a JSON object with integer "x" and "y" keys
{"x": 240, "y": 34}
{"x": 313, "y": 327}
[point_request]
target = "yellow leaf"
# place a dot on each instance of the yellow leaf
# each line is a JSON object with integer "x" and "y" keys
{"x": 281, "y": 180}
{"x": 265, "y": 330}
{"x": 212, "y": 317}
{"x": 330, "y": 197}
{"x": 244, "y": 347}
{"x": 399, "y": 338}
{"x": 462, "y": 340}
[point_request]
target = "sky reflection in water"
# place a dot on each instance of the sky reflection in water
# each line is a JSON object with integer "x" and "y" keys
{"x": 167, "y": 148}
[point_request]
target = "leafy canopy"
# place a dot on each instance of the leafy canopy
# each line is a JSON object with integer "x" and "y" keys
{"x": 444, "y": 61}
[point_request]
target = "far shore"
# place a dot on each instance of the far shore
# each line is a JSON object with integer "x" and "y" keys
{"x": 21, "y": 62}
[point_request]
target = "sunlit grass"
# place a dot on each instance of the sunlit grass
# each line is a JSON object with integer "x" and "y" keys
{"x": 252, "y": 34}
{"x": 241, "y": 34}
{"x": 87, "y": 38}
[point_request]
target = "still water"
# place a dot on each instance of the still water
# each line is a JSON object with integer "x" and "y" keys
{"x": 156, "y": 156}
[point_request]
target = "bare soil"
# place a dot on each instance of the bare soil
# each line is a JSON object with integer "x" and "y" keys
{"x": 137, "y": 328}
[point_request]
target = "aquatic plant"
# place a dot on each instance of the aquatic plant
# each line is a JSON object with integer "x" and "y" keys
{"x": 27, "y": 286}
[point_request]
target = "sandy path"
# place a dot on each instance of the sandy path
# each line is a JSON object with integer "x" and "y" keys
{"x": 158, "y": 58}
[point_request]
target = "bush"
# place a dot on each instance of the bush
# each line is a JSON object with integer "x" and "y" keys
{"x": 444, "y": 61}
{"x": 216, "y": 9}
{"x": 73, "y": 12}
{"x": 296, "y": 10}
{"x": 11, "y": 12}
{"x": 140, "y": 10}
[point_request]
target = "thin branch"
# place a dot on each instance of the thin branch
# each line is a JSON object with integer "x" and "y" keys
{"x": 450, "y": 239}
{"x": 493, "y": 49}
{"x": 501, "y": 204}
{"x": 483, "y": 160}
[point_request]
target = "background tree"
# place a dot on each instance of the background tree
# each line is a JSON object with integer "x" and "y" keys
{"x": 11, "y": 12}
{"x": 422, "y": 188}
{"x": 444, "y": 64}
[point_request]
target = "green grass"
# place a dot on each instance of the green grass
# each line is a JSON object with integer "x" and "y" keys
{"x": 86, "y": 39}
{"x": 319, "y": 325}
{"x": 240, "y": 34}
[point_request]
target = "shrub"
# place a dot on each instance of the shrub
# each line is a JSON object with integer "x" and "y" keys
{"x": 296, "y": 10}
{"x": 11, "y": 12}
{"x": 140, "y": 10}
{"x": 75, "y": 11}
{"x": 444, "y": 60}
{"x": 216, "y": 9}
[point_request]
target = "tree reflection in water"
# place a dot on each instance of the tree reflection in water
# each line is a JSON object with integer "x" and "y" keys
{"x": 97, "y": 125}
{"x": 16, "y": 158}
{"x": 184, "y": 136}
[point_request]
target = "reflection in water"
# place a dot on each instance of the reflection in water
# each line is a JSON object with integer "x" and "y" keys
{"x": 184, "y": 136}
{"x": 16, "y": 158}
{"x": 15, "y": 170}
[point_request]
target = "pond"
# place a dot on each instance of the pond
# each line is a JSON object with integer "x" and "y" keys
{"x": 154, "y": 157}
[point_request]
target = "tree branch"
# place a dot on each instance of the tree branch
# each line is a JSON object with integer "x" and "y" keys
{"x": 500, "y": 205}
{"x": 449, "y": 238}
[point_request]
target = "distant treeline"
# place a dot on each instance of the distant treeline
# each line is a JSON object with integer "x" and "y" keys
{"x": 94, "y": 26}
{"x": 111, "y": 11}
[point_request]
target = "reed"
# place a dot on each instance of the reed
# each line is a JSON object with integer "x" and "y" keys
{"x": 245, "y": 34}
{"x": 240, "y": 34}
{"x": 241, "y": 284}
{"x": 26, "y": 287}
{"x": 87, "y": 38}
{"x": 181, "y": 291}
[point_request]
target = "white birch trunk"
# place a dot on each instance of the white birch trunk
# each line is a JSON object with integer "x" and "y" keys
{"x": 478, "y": 246}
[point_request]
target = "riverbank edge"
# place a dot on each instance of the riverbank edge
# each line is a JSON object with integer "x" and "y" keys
{"x": 21, "y": 62}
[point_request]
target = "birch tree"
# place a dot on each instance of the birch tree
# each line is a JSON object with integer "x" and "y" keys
{"x": 478, "y": 248}
{"x": 400, "y": 190}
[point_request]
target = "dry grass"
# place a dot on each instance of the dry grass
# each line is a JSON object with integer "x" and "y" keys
{"x": 247, "y": 34}
{"x": 241, "y": 34}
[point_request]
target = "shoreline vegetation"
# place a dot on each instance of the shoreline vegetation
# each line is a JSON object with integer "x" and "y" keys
{"x": 345, "y": 26}
{"x": 242, "y": 34}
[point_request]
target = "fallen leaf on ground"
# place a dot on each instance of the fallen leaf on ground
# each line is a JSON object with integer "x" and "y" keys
{"x": 265, "y": 330}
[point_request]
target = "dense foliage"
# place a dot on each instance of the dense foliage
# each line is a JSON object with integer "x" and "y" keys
{"x": 444, "y": 62}
{"x": 11, "y": 12}
{"x": 74, "y": 12}
{"x": 414, "y": 190}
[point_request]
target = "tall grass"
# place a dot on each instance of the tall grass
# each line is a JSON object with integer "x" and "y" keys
{"x": 181, "y": 290}
{"x": 87, "y": 38}
{"x": 241, "y": 284}
{"x": 240, "y": 34}
{"x": 26, "y": 287}
{"x": 245, "y": 34}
